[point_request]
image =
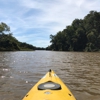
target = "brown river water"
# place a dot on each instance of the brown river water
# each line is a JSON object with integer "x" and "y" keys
{"x": 19, "y": 71}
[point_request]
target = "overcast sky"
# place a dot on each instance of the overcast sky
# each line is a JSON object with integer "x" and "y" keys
{"x": 32, "y": 21}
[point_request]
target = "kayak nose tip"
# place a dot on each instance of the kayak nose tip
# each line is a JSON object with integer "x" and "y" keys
{"x": 50, "y": 70}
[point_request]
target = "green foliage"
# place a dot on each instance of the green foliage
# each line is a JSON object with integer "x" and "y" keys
{"x": 10, "y": 43}
{"x": 81, "y": 35}
{"x": 25, "y": 46}
{"x": 4, "y": 28}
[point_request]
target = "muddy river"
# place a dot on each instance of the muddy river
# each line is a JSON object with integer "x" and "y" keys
{"x": 19, "y": 71}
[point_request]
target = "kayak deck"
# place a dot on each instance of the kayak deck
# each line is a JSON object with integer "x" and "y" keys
{"x": 50, "y": 87}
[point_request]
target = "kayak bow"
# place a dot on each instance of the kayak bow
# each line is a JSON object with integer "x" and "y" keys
{"x": 50, "y": 87}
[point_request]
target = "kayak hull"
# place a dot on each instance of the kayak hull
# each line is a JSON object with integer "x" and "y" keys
{"x": 50, "y": 87}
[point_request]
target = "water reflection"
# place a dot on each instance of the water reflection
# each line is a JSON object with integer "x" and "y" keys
{"x": 19, "y": 71}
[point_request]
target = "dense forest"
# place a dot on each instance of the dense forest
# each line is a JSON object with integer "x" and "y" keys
{"x": 10, "y": 43}
{"x": 81, "y": 35}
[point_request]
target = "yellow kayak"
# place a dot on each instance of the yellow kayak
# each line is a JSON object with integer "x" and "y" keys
{"x": 50, "y": 87}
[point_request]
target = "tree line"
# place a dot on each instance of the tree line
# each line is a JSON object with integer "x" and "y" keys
{"x": 81, "y": 35}
{"x": 9, "y": 43}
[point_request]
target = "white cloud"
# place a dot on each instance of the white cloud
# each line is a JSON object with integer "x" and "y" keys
{"x": 41, "y": 43}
